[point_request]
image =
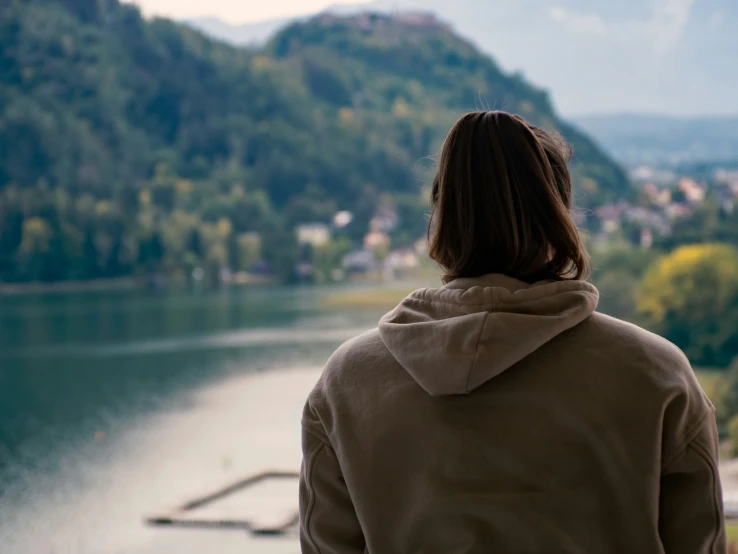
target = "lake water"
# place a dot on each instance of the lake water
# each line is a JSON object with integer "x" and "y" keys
{"x": 113, "y": 405}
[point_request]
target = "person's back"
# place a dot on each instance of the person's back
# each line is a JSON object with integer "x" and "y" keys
{"x": 502, "y": 414}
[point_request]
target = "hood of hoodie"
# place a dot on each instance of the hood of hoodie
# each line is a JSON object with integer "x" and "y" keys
{"x": 454, "y": 339}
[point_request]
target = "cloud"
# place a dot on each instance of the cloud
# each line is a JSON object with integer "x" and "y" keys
{"x": 667, "y": 23}
{"x": 577, "y": 22}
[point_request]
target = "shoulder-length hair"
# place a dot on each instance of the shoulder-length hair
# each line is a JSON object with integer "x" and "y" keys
{"x": 501, "y": 203}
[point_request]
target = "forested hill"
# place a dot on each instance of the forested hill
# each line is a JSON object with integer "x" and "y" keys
{"x": 130, "y": 146}
{"x": 408, "y": 78}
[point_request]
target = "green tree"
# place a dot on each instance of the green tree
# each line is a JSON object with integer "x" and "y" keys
{"x": 133, "y": 139}
{"x": 35, "y": 248}
{"x": 248, "y": 251}
{"x": 327, "y": 257}
{"x": 617, "y": 273}
{"x": 691, "y": 297}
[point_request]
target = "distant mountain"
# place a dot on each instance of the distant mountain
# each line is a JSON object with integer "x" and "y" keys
{"x": 663, "y": 56}
{"x": 646, "y": 139}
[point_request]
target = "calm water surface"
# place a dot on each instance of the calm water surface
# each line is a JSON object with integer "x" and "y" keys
{"x": 114, "y": 403}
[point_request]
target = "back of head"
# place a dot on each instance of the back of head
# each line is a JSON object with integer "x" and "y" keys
{"x": 502, "y": 202}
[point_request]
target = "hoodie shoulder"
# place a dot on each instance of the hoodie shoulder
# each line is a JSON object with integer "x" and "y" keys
{"x": 634, "y": 346}
{"x": 637, "y": 344}
{"x": 354, "y": 361}
{"x": 355, "y": 352}
{"x": 354, "y": 368}
{"x": 662, "y": 371}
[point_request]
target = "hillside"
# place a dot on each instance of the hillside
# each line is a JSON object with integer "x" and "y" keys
{"x": 662, "y": 140}
{"x": 409, "y": 77}
{"x": 132, "y": 147}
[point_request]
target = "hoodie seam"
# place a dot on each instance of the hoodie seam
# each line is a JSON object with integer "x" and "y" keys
{"x": 714, "y": 480}
{"x": 311, "y": 489}
{"x": 315, "y": 435}
{"x": 476, "y": 351}
{"x": 689, "y": 438}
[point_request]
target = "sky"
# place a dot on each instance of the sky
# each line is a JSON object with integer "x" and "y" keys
{"x": 236, "y": 11}
{"x": 664, "y": 25}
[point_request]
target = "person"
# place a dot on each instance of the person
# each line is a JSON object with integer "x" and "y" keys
{"x": 501, "y": 412}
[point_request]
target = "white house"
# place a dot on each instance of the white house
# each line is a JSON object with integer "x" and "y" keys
{"x": 314, "y": 234}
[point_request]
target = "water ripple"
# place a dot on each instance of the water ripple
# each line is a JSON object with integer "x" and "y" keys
{"x": 225, "y": 340}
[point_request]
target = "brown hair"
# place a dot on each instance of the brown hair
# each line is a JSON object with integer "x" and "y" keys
{"x": 502, "y": 202}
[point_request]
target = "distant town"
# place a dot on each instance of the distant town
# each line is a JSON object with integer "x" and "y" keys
{"x": 666, "y": 196}
{"x": 375, "y": 260}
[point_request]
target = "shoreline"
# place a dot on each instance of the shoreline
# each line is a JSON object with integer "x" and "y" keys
{"x": 62, "y": 287}
{"x": 143, "y": 283}
{"x": 112, "y": 285}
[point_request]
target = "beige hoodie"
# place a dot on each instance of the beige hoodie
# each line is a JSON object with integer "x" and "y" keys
{"x": 492, "y": 416}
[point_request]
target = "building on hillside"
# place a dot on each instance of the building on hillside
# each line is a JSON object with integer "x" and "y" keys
{"x": 658, "y": 196}
{"x": 421, "y": 19}
{"x": 314, "y": 234}
{"x": 664, "y": 198}
{"x": 610, "y": 226}
{"x": 421, "y": 247}
{"x": 677, "y": 211}
{"x": 610, "y": 216}
{"x": 726, "y": 177}
{"x": 358, "y": 262}
{"x": 400, "y": 264}
{"x": 376, "y": 240}
{"x": 693, "y": 191}
{"x": 611, "y": 211}
{"x": 648, "y": 219}
{"x": 645, "y": 174}
{"x": 342, "y": 219}
{"x": 651, "y": 190}
{"x": 304, "y": 271}
{"x": 385, "y": 221}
